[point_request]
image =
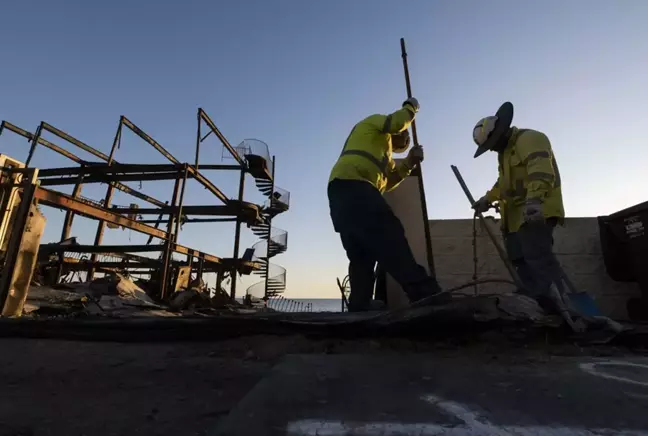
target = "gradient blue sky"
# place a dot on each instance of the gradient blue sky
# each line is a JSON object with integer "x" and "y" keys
{"x": 299, "y": 74}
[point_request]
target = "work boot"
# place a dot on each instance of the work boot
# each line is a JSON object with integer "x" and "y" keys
{"x": 427, "y": 292}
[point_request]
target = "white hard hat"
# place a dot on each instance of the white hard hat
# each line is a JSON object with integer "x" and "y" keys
{"x": 483, "y": 129}
{"x": 489, "y": 131}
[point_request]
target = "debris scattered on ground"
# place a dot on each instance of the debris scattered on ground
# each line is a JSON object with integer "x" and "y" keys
{"x": 117, "y": 295}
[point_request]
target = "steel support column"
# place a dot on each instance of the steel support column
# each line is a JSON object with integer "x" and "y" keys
{"x": 107, "y": 199}
{"x": 237, "y": 237}
{"x": 168, "y": 243}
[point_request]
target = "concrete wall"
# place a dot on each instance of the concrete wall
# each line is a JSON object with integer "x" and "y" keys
{"x": 409, "y": 210}
{"x": 577, "y": 246}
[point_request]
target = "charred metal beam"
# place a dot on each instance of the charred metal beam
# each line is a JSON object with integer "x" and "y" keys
{"x": 75, "y": 170}
{"x": 83, "y": 265}
{"x": 178, "y": 213}
{"x": 101, "y": 225}
{"x": 137, "y": 194}
{"x": 193, "y": 220}
{"x": 165, "y": 273}
{"x": 115, "y": 168}
{"x": 69, "y": 215}
{"x": 102, "y": 249}
{"x": 29, "y": 136}
{"x": 186, "y": 250}
{"x": 109, "y": 178}
{"x": 201, "y": 210}
{"x": 139, "y": 132}
{"x": 157, "y": 225}
{"x": 203, "y": 115}
{"x": 220, "y": 167}
{"x": 72, "y": 140}
{"x": 237, "y": 233}
{"x": 208, "y": 184}
{"x": 66, "y": 202}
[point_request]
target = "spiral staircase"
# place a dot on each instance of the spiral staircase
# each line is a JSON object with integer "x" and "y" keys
{"x": 274, "y": 241}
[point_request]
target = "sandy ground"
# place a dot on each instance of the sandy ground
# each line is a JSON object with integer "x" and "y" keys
{"x": 52, "y": 387}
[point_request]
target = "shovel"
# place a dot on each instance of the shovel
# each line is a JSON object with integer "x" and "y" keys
{"x": 579, "y": 301}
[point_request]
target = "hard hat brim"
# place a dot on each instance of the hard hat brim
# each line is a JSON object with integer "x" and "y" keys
{"x": 504, "y": 119}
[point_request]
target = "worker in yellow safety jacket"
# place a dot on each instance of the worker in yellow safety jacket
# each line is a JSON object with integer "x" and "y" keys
{"x": 528, "y": 191}
{"x": 368, "y": 228}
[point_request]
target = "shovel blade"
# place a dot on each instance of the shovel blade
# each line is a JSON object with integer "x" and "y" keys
{"x": 583, "y": 303}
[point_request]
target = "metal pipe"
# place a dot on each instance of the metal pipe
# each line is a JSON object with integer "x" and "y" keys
{"x": 408, "y": 85}
{"x": 502, "y": 253}
{"x": 418, "y": 171}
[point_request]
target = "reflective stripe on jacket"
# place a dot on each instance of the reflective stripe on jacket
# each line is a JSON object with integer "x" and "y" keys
{"x": 367, "y": 152}
{"x": 527, "y": 170}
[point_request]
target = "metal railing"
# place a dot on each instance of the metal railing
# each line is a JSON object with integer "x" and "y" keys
{"x": 254, "y": 147}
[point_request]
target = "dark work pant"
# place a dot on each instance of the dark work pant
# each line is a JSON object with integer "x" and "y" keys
{"x": 531, "y": 252}
{"x": 370, "y": 233}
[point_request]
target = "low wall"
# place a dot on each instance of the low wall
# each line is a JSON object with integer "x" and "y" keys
{"x": 577, "y": 246}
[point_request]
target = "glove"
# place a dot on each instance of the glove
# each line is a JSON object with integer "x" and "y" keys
{"x": 482, "y": 205}
{"x": 413, "y": 103}
{"x": 415, "y": 156}
{"x": 533, "y": 210}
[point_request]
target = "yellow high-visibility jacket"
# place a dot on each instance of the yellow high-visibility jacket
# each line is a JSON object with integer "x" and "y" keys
{"x": 527, "y": 170}
{"x": 367, "y": 153}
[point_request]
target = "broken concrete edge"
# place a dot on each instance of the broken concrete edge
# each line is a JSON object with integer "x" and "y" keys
{"x": 232, "y": 327}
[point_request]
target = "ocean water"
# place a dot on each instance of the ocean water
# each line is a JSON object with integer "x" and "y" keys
{"x": 304, "y": 304}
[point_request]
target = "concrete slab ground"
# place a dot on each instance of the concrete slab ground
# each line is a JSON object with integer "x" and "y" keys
{"x": 374, "y": 395}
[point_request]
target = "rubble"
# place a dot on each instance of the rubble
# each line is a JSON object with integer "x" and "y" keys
{"x": 119, "y": 296}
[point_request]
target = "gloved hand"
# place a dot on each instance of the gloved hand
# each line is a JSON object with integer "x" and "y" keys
{"x": 412, "y": 102}
{"x": 482, "y": 205}
{"x": 415, "y": 156}
{"x": 533, "y": 211}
